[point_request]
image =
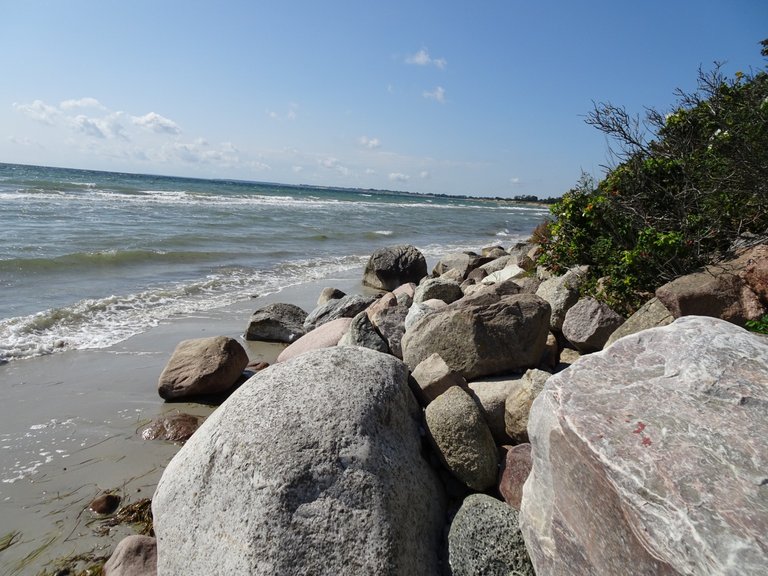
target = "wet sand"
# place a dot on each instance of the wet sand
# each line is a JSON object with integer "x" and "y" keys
{"x": 69, "y": 426}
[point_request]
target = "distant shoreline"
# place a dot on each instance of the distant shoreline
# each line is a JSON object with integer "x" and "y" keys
{"x": 521, "y": 200}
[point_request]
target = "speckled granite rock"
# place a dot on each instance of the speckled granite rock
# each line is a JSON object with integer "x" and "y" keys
{"x": 485, "y": 539}
{"x": 313, "y": 466}
{"x": 462, "y": 438}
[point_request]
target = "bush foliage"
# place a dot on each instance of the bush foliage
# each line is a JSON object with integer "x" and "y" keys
{"x": 688, "y": 188}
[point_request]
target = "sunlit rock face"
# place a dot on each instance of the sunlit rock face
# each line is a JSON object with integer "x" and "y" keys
{"x": 650, "y": 457}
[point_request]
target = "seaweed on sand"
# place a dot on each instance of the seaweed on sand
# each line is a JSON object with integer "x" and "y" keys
{"x": 138, "y": 513}
{"x": 87, "y": 564}
{"x": 9, "y": 539}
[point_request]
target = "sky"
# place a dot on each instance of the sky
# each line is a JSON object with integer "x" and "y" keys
{"x": 454, "y": 97}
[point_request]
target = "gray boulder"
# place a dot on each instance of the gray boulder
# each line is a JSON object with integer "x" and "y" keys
{"x": 390, "y": 324}
{"x": 133, "y": 556}
{"x": 498, "y": 263}
{"x": 313, "y": 467}
{"x": 433, "y": 377}
{"x": 419, "y": 310}
{"x": 277, "y": 322}
{"x": 363, "y": 333}
{"x": 647, "y": 455}
{"x": 562, "y": 292}
{"x": 461, "y": 262}
{"x": 345, "y": 307}
{"x": 485, "y": 539}
{"x": 482, "y": 336}
{"x": 589, "y": 323}
{"x": 329, "y": 293}
{"x": 202, "y": 366}
{"x": 493, "y": 251}
{"x": 462, "y": 438}
{"x": 490, "y": 394}
{"x": 438, "y": 288}
{"x": 517, "y": 404}
{"x": 652, "y": 314}
{"x": 388, "y": 268}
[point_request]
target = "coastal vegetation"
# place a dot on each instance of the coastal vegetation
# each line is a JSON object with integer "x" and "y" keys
{"x": 688, "y": 188}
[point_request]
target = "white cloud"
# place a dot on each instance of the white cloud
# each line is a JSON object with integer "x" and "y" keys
{"x": 156, "y": 123}
{"x": 39, "y": 111}
{"x": 297, "y": 169}
{"x": 81, "y": 103}
{"x": 422, "y": 58}
{"x": 108, "y": 126}
{"x": 333, "y": 164}
{"x": 515, "y": 181}
{"x": 369, "y": 143}
{"x": 88, "y": 126}
{"x": 424, "y": 174}
{"x": 200, "y": 152}
{"x": 398, "y": 177}
{"x": 438, "y": 94}
{"x": 370, "y": 171}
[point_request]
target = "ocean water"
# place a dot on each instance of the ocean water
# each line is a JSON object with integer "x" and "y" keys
{"x": 88, "y": 259}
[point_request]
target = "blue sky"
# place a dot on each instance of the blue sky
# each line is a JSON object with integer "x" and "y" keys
{"x": 479, "y": 98}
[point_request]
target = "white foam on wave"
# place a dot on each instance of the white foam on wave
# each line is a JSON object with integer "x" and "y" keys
{"x": 100, "y": 323}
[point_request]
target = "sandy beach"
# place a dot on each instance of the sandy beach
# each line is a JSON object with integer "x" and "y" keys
{"x": 70, "y": 423}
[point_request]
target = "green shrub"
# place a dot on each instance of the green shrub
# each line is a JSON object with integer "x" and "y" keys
{"x": 689, "y": 187}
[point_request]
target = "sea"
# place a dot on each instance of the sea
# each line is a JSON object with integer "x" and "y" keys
{"x": 90, "y": 258}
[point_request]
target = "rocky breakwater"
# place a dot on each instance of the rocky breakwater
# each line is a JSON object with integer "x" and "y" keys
{"x": 392, "y": 437}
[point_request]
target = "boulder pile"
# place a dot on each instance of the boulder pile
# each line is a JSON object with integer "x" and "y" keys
{"x": 422, "y": 431}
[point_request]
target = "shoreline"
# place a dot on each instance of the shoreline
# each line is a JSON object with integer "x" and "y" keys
{"x": 71, "y": 423}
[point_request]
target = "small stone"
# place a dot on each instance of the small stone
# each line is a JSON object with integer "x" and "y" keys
{"x": 104, "y": 504}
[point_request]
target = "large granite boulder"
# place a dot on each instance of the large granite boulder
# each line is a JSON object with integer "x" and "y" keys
{"x": 277, "y": 322}
{"x": 134, "y": 555}
{"x": 462, "y": 438}
{"x": 589, "y": 323}
{"x": 313, "y": 467}
{"x": 202, "y": 367}
{"x": 345, "y": 307}
{"x": 652, "y": 314}
{"x": 388, "y": 268}
{"x": 649, "y": 457}
{"x": 482, "y": 336}
{"x": 485, "y": 539}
